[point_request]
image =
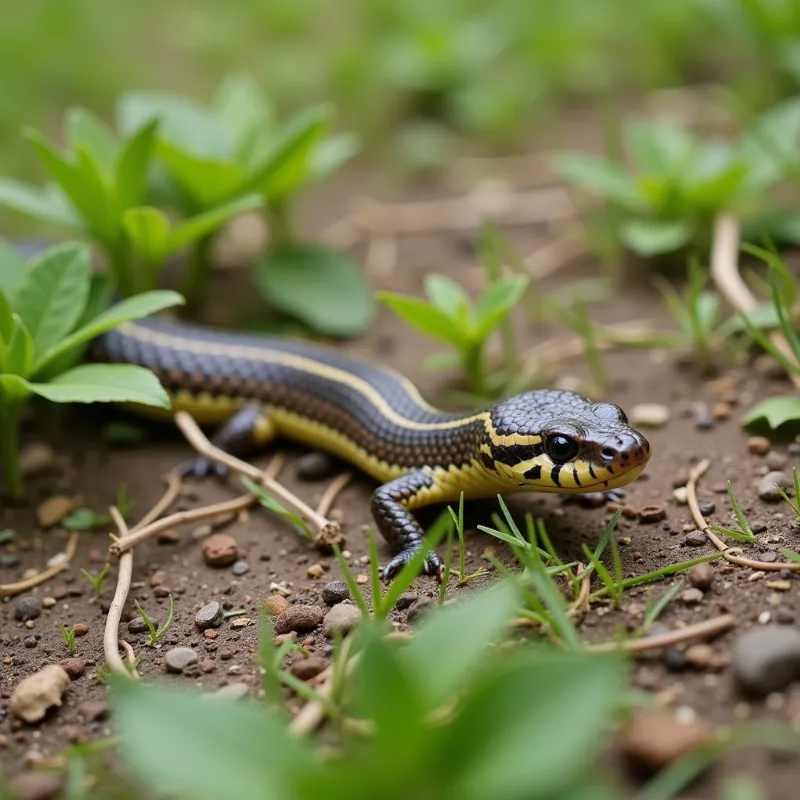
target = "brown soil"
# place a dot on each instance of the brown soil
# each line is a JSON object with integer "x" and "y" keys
{"x": 276, "y": 554}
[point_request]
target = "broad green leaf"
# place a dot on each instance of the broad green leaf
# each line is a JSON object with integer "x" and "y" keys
{"x": 332, "y": 152}
{"x": 78, "y": 185}
{"x": 148, "y": 230}
{"x": 12, "y": 387}
{"x": 141, "y": 305}
{"x": 208, "y": 222}
{"x": 322, "y": 288}
{"x": 132, "y": 167}
{"x": 48, "y": 205}
{"x": 775, "y": 411}
{"x": 650, "y": 237}
{"x": 531, "y": 741}
{"x": 606, "y": 179}
{"x": 771, "y": 144}
{"x": 18, "y": 355}
{"x": 241, "y": 104}
{"x": 85, "y": 130}
{"x": 185, "y": 745}
{"x": 104, "y": 383}
{"x": 497, "y": 301}
{"x": 457, "y": 638}
{"x": 448, "y": 297}
{"x": 51, "y": 297}
{"x": 657, "y": 148}
{"x": 719, "y": 190}
{"x": 206, "y": 180}
{"x": 185, "y": 124}
{"x": 12, "y": 268}
{"x": 426, "y": 318}
{"x": 6, "y": 320}
{"x": 280, "y": 165}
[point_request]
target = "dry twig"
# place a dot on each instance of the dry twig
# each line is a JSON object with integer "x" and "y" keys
{"x": 12, "y": 589}
{"x": 332, "y": 492}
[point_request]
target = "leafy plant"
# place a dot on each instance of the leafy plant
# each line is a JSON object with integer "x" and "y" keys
{"x": 96, "y": 581}
{"x": 458, "y": 521}
{"x": 449, "y": 316}
{"x": 69, "y": 638}
{"x": 84, "y": 519}
{"x": 50, "y": 309}
{"x": 156, "y": 634}
{"x": 743, "y": 532}
{"x": 99, "y": 190}
{"x": 236, "y": 154}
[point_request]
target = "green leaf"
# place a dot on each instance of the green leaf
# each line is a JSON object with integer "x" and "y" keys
{"x": 12, "y": 268}
{"x": 448, "y": 297}
{"x": 185, "y": 124}
{"x": 77, "y": 183}
{"x": 104, "y": 383}
{"x": 606, "y": 179}
{"x": 141, "y": 305}
{"x": 497, "y": 300}
{"x": 240, "y": 104}
{"x": 48, "y": 205}
{"x": 132, "y": 167}
{"x": 320, "y": 287}
{"x": 457, "y": 638}
{"x": 770, "y": 146}
{"x": 518, "y": 700}
{"x": 206, "y": 180}
{"x": 85, "y": 130}
{"x": 148, "y": 230}
{"x": 12, "y": 387}
{"x": 185, "y": 745}
{"x": 201, "y": 225}
{"x": 426, "y": 318}
{"x": 18, "y": 356}
{"x": 52, "y": 295}
{"x": 776, "y": 411}
{"x": 332, "y": 152}
{"x": 658, "y": 149}
{"x": 654, "y": 237}
{"x": 6, "y": 320}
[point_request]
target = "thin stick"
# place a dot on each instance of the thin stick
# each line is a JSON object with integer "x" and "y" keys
{"x": 198, "y": 440}
{"x": 554, "y": 254}
{"x": 332, "y": 492}
{"x": 701, "y": 630}
{"x": 581, "y": 601}
{"x": 12, "y": 589}
{"x": 726, "y": 275}
{"x": 702, "y": 525}
{"x": 167, "y": 499}
{"x": 111, "y": 633}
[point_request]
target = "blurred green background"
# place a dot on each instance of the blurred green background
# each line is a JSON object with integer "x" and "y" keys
{"x": 409, "y": 76}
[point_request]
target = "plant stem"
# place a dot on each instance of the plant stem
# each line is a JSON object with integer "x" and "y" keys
{"x": 195, "y": 285}
{"x": 9, "y": 449}
{"x": 280, "y": 233}
{"x": 473, "y": 366}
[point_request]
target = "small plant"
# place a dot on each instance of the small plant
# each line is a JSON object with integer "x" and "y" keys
{"x": 156, "y": 634}
{"x": 458, "y": 521}
{"x": 268, "y": 501}
{"x": 84, "y": 519}
{"x": 235, "y": 154}
{"x": 50, "y": 309}
{"x": 96, "y": 581}
{"x": 449, "y": 316}
{"x": 69, "y": 637}
{"x": 794, "y": 505}
{"x": 743, "y": 532}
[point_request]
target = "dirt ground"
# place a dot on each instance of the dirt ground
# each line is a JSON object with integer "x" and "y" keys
{"x": 276, "y": 555}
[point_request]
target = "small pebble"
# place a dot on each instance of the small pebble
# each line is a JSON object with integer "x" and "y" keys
{"x": 138, "y": 625}
{"x": 36, "y": 785}
{"x": 276, "y": 604}
{"x": 53, "y": 510}
{"x": 34, "y": 695}
{"x": 721, "y": 411}
{"x": 241, "y": 622}
{"x": 701, "y": 576}
{"x": 315, "y": 466}
{"x": 80, "y": 629}
{"x": 209, "y": 616}
{"x": 233, "y": 691}
{"x": 342, "y": 618}
{"x": 674, "y": 659}
{"x": 93, "y": 710}
{"x": 298, "y": 618}
{"x": 779, "y": 586}
{"x": 707, "y": 507}
{"x": 703, "y": 420}
{"x": 793, "y": 449}
{"x": 240, "y": 568}
{"x": 27, "y": 608}
{"x": 766, "y": 659}
{"x": 776, "y": 461}
{"x": 681, "y": 495}
{"x": 308, "y": 668}
{"x": 421, "y": 606}
{"x": 406, "y": 600}
{"x": 9, "y": 560}
{"x": 335, "y": 592}
{"x": 758, "y": 445}
{"x": 652, "y": 513}
{"x": 649, "y": 415}
{"x": 784, "y": 616}
{"x": 178, "y": 658}
{"x": 654, "y": 739}
{"x": 315, "y": 571}
{"x": 767, "y": 489}
{"x": 702, "y": 656}
{"x": 168, "y": 537}
{"x": 695, "y": 539}
{"x": 770, "y": 557}
{"x": 220, "y": 550}
{"x": 30, "y": 642}
{"x": 691, "y": 597}
{"x": 74, "y": 667}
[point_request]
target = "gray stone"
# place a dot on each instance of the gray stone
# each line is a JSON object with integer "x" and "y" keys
{"x": 767, "y": 659}
{"x": 178, "y": 658}
{"x": 767, "y": 489}
{"x": 28, "y": 608}
{"x": 341, "y": 618}
{"x": 240, "y": 568}
{"x": 315, "y": 466}
{"x": 405, "y": 600}
{"x": 209, "y": 616}
{"x": 138, "y": 625}
{"x": 335, "y": 592}
{"x": 233, "y": 691}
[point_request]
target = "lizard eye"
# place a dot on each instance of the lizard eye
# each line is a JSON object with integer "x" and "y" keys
{"x": 560, "y": 448}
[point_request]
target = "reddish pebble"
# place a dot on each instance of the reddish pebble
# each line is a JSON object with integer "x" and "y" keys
{"x": 721, "y": 411}
{"x": 758, "y": 445}
{"x": 93, "y": 710}
{"x": 275, "y": 604}
{"x": 701, "y": 576}
{"x": 299, "y": 618}
{"x": 157, "y": 578}
{"x": 220, "y": 550}
{"x": 315, "y": 571}
{"x": 210, "y": 634}
{"x": 307, "y": 668}
{"x": 80, "y": 629}
{"x": 654, "y": 513}
{"x": 170, "y": 536}
{"x": 74, "y": 667}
